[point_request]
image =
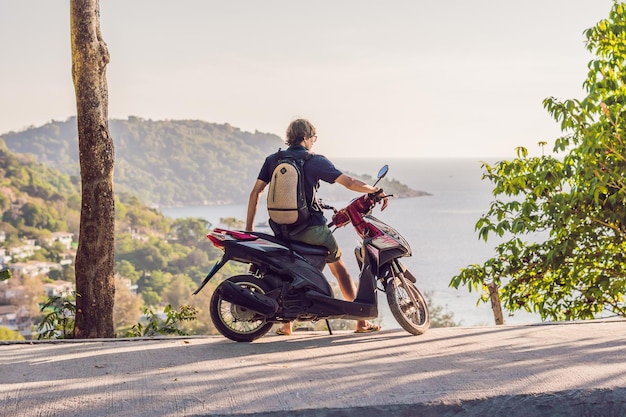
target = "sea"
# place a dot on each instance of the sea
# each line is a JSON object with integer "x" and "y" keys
{"x": 439, "y": 227}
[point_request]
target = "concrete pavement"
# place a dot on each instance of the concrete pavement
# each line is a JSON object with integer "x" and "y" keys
{"x": 570, "y": 369}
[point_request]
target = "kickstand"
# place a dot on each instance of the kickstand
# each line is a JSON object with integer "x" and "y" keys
{"x": 330, "y": 331}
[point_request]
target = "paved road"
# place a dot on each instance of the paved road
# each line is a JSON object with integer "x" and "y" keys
{"x": 576, "y": 369}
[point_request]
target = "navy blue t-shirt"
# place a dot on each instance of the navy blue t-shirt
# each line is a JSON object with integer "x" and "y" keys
{"x": 317, "y": 168}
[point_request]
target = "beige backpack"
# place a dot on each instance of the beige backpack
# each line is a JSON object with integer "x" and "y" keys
{"x": 286, "y": 197}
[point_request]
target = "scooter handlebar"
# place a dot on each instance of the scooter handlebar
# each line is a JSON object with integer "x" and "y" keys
{"x": 363, "y": 205}
{"x": 377, "y": 197}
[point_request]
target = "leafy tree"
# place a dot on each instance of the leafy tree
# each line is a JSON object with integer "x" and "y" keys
{"x": 59, "y": 315}
{"x": 149, "y": 258}
{"x": 8, "y": 334}
{"x": 128, "y": 306}
{"x": 201, "y": 302}
{"x": 171, "y": 325}
{"x": 55, "y": 274}
{"x": 95, "y": 256}
{"x": 5, "y": 203}
{"x": 196, "y": 258}
{"x": 52, "y": 252}
{"x": 232, "y": 222}
{"x": 127, "y": 270}
{"x": 189, "y": 231}
{"x": 179, "y": 289}
{"x": 35, "y": 216}
{"x": 578, "y": 201}
{"x": 5, "y": 273}
{"x": 151, "y": 286}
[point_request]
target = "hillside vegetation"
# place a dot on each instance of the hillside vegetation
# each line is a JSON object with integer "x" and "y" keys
{"x": 164, "y": 259}
{"x": 162, "y": 162}
{"x": 170, "y": 162}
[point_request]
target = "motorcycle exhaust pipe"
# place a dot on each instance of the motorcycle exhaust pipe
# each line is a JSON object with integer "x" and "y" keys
{"x": 243, "y": 297}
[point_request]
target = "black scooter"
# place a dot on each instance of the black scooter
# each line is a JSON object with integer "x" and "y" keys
{"x": 285, "y": 280}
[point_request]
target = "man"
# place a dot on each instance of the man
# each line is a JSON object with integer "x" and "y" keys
{"x": 301, "y": 137}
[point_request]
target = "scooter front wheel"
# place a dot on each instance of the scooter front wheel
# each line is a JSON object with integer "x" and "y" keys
{"x": 236, "y": 322}
{"x": 407, "y": 305}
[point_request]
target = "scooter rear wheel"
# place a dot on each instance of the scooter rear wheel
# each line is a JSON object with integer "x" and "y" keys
{"x": 412, "y": 316}
{"x": 235, "y": 322}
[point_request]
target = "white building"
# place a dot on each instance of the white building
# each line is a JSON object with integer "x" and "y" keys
{"x": 8, "y": 317}
{"x": 5, "y": 258}
{"x": 32, "y": 268}
{"x": 26, "y": 250}
{"x": 65, "y": 238}
{"x": 58, "y": 288}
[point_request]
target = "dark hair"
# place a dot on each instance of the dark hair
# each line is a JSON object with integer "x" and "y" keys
{"x": 299, "y": 130}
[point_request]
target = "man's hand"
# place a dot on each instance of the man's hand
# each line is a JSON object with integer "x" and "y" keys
{"x": 385, "y": 201}
{"x": 380, "y": 194}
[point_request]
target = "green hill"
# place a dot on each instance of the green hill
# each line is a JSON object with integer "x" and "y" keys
{"x": 36, "y": 200}
{"x": 34, "y": 197}
{"x": 169, "y": 162}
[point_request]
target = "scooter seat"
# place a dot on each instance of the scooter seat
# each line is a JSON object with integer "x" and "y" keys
{"x": 309, "y": 250}
{"x": 303, "y": 249}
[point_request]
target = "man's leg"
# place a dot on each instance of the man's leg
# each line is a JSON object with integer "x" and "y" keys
{"x": 348, "y": 289}
{"x": 346, "y": 285}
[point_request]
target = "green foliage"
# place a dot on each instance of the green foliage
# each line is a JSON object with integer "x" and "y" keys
{"x": 127, "y": 270}
{"x": 41, "y": 194}
{"x": 170, "y": 326}
{"x": 232, "y": 222}
{"x": 577, "y": 201}
{"x": 5, "y": 273}
{"x": 190, "y": 231}
{"x": 58, "y": 321}
{"x": 163, "y": 256}
{"x": 8, "y": 334}
{"x": 152, "y": 285}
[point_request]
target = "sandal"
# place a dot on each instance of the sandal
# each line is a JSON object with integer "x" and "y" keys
{"x": 369, "y": 328}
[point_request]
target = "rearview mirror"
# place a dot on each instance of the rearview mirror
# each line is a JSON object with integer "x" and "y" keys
{"x": 383, "y": 171}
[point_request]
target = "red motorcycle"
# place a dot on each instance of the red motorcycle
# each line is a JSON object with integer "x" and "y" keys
{"x": 285, "y": 280}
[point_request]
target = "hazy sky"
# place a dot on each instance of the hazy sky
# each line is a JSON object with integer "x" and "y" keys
{"x": 398, "y": 78}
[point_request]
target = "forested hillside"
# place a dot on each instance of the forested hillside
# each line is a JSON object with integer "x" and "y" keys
{"x": 163, "y": 259}
{"x": 169, "y": 162}
{"x": 166, "y": 163}
{"x": 35, "y": 199}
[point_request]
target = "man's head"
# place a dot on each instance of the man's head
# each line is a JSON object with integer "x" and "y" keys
{"x": 299, "y": 130}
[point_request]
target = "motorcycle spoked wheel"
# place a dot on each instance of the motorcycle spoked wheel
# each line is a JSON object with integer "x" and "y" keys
{"x": 235, "y": 322}
{"x": 415, "y": 319}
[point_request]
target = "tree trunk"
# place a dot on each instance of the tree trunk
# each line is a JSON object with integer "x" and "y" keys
{"x": 95, "y": 257}
{"x": 495, "y": 303}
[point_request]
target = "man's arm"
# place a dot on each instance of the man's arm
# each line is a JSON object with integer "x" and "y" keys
{"x": 355, "y": 184}
{"x": 359, "y": 186}
{"x": 253, "y": 203}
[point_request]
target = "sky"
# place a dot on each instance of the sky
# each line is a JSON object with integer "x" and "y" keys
{"x": 399, "y": 78}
